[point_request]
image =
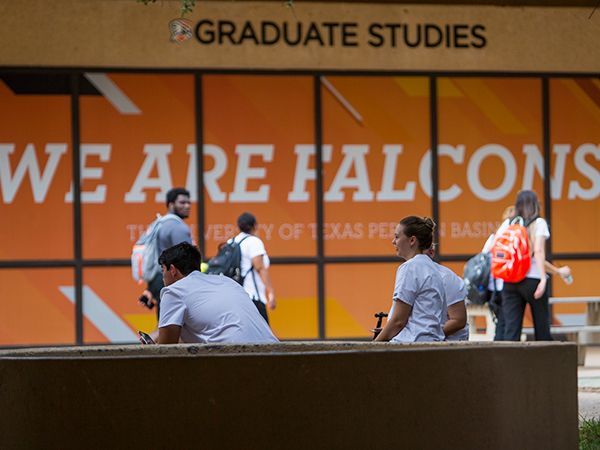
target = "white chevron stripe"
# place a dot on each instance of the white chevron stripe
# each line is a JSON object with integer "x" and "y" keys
{"x": 113, "y": 93}
{"x": 103, "y": 318}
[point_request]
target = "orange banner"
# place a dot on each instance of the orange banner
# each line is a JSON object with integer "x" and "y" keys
{"x": 138, "y": 141}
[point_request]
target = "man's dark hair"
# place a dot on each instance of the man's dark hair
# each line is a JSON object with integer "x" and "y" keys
{"x": 184, "y": 256}
{"x": 174, "y": 193}
{"x": 246, "y": 222}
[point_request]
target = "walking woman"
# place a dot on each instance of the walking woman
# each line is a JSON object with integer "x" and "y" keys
{"x": 532, "y": 289}
{"x": 418, "y": 311}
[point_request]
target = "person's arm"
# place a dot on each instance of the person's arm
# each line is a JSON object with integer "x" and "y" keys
{"x": 562, "y": 272}
{"x": 457, "y": 318}
{"x": 262, "y": 271}
{"x": 169, "y": 334}
{"x": 396, "y": 322}
{"x": 540, "y": 258}
{"x": 171, "y": 320}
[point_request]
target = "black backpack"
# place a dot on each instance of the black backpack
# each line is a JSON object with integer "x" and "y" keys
{"x": 477, "y": 276}
{"x": 228, "y": 261}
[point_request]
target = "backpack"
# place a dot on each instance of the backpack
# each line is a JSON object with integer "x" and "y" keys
{"x": 228, "y": 261}
{"x": 511, "y": 252}
{"x": 476, "y": 276}
{"x": 144, "y": 256}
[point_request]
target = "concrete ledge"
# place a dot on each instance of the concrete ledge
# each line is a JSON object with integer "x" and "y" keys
{"x": 291, "y": 396}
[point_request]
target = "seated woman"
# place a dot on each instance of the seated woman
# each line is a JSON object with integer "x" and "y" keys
{"x": 418, "y": 311}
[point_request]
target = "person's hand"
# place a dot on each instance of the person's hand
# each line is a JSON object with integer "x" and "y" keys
{"x": 152, "y": 302}
{"x": 564, "y": 271}
{"x": 376, "y": 332}
{"x": 541, "y": 288}
{"x": 271, "y": 302}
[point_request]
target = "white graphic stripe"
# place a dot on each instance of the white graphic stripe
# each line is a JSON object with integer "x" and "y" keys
{"x": 103, "y": 318}
{"x": 340, "y": 98}
{"x": 113, "y": 93}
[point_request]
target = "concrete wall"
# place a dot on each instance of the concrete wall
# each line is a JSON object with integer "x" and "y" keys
{"x": 292, "y": 396}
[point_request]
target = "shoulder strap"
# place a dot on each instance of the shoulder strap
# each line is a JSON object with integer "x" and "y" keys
{"x": 517, "y": 219}
{"x": 254, "y": 281}
{"x": 251, "y": 266}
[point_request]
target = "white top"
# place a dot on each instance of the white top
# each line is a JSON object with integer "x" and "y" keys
{"x": 419, "y": 284}
{"x": 455, "y": 290}
{"x": 250, "y": 248}
{"x": 487, "y": 248}
{"x": 540, "y": 228}
{"x": 212, "y": 309}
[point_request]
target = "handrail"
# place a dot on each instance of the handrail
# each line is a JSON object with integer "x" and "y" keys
{"x": 555, "y": 300}
{"x": 568, "y": 329}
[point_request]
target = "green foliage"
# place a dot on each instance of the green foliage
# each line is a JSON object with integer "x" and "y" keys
{"x": 589, "y": 434}
{"x": 187, "y": 6}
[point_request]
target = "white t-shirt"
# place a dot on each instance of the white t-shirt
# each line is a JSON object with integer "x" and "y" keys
{"x": 251, "y": 247}
{"x": 212, "y": 309}
{"x": 540, "y": 228}
{"x": 419, "y": 284}
{"x": 455, "y": 290}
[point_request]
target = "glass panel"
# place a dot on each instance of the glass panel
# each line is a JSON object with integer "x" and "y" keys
{"x": 376, "y": 134}
{"x": 490, "y": 148}
{"x": 37, "y": 307}
{"x": 35, "y": 167}
{"x": 111, "y": 309}
{"x": 258, "y": 133}
{"x": 354, "y": 293}
{"x": 296, "y": 315}
{"x": 137, "y": 141}
{"x": 575, "y": 139}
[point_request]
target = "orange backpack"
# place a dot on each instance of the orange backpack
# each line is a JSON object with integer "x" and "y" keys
{"x": 511, "y": 252}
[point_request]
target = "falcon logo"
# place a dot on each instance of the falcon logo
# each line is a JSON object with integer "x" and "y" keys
{"x": 181, "y": 30}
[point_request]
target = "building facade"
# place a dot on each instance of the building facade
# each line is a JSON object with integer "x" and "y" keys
{"x": 329, "y": 121}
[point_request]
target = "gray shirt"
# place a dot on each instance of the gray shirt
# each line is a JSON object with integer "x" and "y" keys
{"x": 173, "y": 231}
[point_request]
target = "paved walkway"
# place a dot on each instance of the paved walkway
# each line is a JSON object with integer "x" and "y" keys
{"x": 589, "y": 385}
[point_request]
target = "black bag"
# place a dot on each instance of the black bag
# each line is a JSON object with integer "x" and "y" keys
{"x": 228, "y": 261}
{"x": 477, "y": 276}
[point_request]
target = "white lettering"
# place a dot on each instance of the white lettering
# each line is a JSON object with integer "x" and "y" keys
{"x": 91, "y": 173}
{"x": 457, "y": 154}
{"x": 535, "y": 161}
{"x": 9, "y": 183}
{"x": 156, "y": 155}
{"x": 390, "y": 167}
{"x": 354, "y": 158}
{"x": 575, "y": 188}
{"x": 303, "y": 174}
{"x": 244, "y": 172}
{"x": 510, "y": 170}
{"x": 190, "y": 179}
{"x": 212, "y": 176}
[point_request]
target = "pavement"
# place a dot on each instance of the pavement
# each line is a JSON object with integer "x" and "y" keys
{"x": 588, "y": 380}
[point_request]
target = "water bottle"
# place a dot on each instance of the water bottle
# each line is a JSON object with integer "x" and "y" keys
{"x": 568, "y": 279}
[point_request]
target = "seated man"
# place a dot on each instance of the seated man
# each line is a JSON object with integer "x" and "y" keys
{"x": 202, "y": 308}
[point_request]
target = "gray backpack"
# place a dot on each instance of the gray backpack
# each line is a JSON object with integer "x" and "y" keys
{"x": 144, "y": 256}
{"x": 476, "y": 276}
